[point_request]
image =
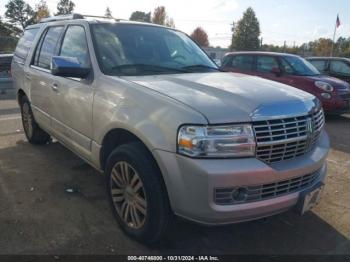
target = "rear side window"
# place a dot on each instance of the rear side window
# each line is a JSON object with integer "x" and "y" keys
{"x": 24, "y": 44}
{"x": 243, "y": 62}
{"x": 47, "y": 47}
{"x": 319, "y": 64}
{"x": 265, "y": 64}
{"x": 75, "y": 45}
{"x": 340, "y": 67}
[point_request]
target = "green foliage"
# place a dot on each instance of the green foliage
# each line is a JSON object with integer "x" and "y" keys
{"x": 65, "y": 7}
{"x": 141, "y": 16}
{"x": 19, "y": 13}
{"x": 246, "y": 33}
{"x": 41, "y": 11}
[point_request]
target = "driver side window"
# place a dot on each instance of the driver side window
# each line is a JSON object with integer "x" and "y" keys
{"x": 75, "y": 45}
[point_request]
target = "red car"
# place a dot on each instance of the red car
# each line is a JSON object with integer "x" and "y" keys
{"x": 294, "y": 71}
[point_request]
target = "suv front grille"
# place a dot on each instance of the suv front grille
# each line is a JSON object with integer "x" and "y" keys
{"x": 287, "y": 138}
{"x": 224, "y": 196}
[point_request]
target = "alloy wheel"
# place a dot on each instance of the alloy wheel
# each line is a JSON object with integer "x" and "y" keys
{"x": 128, "y": 195}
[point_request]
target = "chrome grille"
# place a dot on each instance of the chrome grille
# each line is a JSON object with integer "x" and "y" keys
{"x": 224, "y": 196}
{"x": 287, "y": 138}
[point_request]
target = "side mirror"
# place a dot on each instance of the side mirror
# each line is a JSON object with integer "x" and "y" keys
{"x": 276, "y": 71}
{"x": 68, "y": 67}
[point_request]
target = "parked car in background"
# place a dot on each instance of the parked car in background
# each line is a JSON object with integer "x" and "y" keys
{"x": 171, "y": 132}
{"x": 294, "y": 71}
{"x": 5, "y": 72}
{"x": 333, "y": 66}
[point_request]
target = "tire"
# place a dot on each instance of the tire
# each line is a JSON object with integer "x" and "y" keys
{"x": 147, "y": 203}
{"x": 35, "y": 135}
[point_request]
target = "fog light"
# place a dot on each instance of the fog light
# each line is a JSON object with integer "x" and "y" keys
{"x": 326, "y": 95}
{"x": 240, "y": 194}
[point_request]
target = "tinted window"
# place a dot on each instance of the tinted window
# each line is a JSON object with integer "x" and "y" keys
{"x": 75, "y": 45}
{"x": 5, "y": 66}
{"x": 340, "y": 67}
{"x": 265, "y": 64}
{"x": 48, "y": 47}
{"x": 124, "y": 49}
{"x": 298, "y": 66}
{"x": 24, "y": 44}
{"x": 243, "y": 62}
{"x": 319, "y": 64}
{"x": 227, "y": 61}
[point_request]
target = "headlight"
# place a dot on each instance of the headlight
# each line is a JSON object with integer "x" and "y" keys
{"x": 216, "y": 141}
{"x": 324, "y": 86}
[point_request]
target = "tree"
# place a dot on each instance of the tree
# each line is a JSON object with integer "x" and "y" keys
{"x": 159, "y": 15}
{"x": 19, "y": 13}
{"x": 140, "y": 16}
{"x": 41, "y": 11}
{"x": 200, "y": 37}
{"x": 108, "y": 12}
{"x": 65, "y": 7}
{"x": 246, "y": 32}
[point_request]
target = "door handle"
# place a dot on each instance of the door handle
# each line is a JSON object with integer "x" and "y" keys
{"x": 28, "y": 76}
{"x": 54, "y": 87}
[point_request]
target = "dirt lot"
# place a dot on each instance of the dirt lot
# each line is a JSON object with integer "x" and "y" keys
{"x": 38, "y": 216}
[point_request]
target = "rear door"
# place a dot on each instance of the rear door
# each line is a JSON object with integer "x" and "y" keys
{"x": 72, "y": 98}
{"x": 20, "y": 56}
{"x": 40, "y": 77}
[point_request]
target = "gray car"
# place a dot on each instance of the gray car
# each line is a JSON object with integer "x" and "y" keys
{"x": 173, "y": 135}
{"x": 5, "y": 72}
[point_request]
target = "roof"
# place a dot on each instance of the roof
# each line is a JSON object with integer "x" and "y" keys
{"x": 328, "y": 58}
{"x": 92, "y": 19}
{"x": 260, "y": 53}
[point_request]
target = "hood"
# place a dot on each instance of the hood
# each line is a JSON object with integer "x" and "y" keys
{"x": 228, "y": 98}
{"x": 335, "y": 82}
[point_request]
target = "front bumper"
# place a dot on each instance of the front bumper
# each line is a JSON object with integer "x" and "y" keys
{"x": 338, "y": 104}
{"x": 191, "y": 183}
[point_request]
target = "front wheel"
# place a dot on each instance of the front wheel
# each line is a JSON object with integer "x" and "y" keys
{"x": 137, "y": 193}
{"x": 33, "y": 132}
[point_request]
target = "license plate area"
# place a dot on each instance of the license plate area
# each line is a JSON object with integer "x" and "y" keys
{"x": 310, "y": 198}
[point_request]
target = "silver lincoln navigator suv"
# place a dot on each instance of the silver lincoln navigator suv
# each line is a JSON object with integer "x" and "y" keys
{"x": 172, "y": 134}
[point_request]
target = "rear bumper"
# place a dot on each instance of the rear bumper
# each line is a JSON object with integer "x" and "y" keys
{"x": 191, "y": 183}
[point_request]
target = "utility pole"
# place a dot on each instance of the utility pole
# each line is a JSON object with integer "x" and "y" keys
{"x": 284, "y": 46}
{"x": 337, "y": 24}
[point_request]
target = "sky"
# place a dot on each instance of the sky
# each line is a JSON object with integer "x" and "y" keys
{"x": 293, "y": 21}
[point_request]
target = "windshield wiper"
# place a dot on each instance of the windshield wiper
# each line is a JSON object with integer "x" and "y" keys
{"x": 149, "y": 68}
{"x": 200, "y": 66}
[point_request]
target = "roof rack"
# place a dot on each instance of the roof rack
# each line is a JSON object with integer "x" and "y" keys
{"x": 73, "y": 17}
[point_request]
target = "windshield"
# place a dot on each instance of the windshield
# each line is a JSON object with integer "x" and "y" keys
{"x": 129, "y": 49}
{"x": 298, "y": 66}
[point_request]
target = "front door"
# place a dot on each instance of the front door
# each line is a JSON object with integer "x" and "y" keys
{"x": 72, "y": 97}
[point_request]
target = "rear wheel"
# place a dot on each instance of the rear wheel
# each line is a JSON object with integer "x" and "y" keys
{"x": 33, "y": 132}
{"x": 137, "y": 193}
